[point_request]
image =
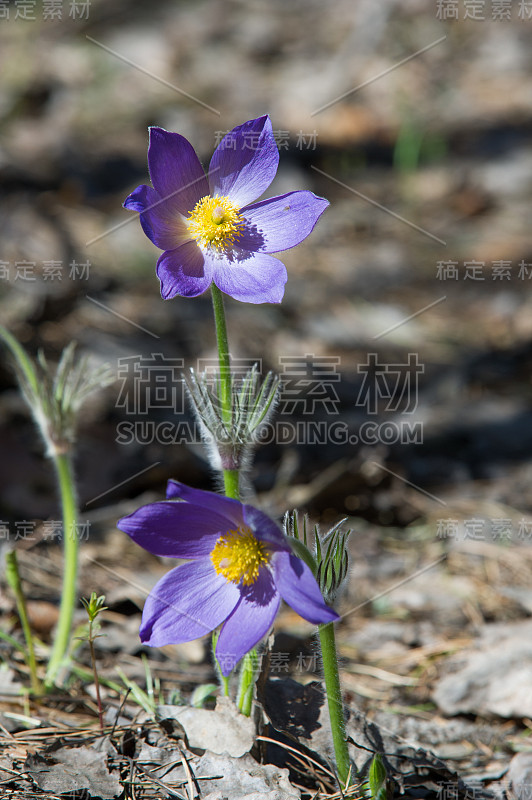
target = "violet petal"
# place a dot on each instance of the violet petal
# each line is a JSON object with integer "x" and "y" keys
{"x": 245, "y": 162}
{"x": 265, "y": 528}
{"x": 176, "y": 530}
{"x": 184, "y": 271}
{"x": 162, "y": 224}
{"x": 298, "y": 587}
{"x": 249, "y": 622}
{"x": 249, "y": 277}
{"x": 231, "y": 509}
{"x": 280, "y": 222}
{"x": 188, "y": 602}
{"x": 175, "y": 170}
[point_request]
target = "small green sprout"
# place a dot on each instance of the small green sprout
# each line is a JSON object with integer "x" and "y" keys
{"x": 94, "y": 607}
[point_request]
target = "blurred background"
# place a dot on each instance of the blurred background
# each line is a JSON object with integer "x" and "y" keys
{"x": 414, "y": 124}
{"x": 409, "y": 307}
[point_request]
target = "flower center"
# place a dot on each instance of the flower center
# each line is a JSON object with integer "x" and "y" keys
{"x": 238, "y": 556}
{"x": 215, "y": 222}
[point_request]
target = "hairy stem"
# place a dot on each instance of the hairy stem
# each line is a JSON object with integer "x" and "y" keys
{"x": 231, "y": 483}
{"x": 230, "y": 476}
{"x": 334, "y": 699}
{"x": 67, "y": 491}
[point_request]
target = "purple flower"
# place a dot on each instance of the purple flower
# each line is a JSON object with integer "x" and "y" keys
{"x": 206, "y": 225}
{"x": 241, "y": 566}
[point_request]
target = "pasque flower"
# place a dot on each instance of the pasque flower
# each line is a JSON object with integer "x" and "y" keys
{"x": 241, "y": 566}
{"x": 208, "y": 225}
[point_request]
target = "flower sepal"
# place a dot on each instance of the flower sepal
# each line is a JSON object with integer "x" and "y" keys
{"x": 55, "y": 397}
{"x": 329, "y": 560}
{"x": 301, "y": 551}
{"x": 252, "y": 402}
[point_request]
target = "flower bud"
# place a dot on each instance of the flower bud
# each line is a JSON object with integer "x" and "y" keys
{"x": 252, "y": 402}
{"x": 56, "y": 398}
{"x": 330, "y": 557}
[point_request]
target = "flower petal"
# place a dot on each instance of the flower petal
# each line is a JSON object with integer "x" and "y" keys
{"x": 245, "y": 162}
{"x": 265, "y": 528}
{"x": 175, "y": 170}
{"x": 176, "y": 530}
{"x": 249, "y": 277}
{"x": 281, "y": 222}
{"x": 297, "y": 586}
{"x": 231, "y": 509}
{"x": 184, "y": 271}
{"x": 188, "y": 602}
{"x": 249, "y": 622}
{"x": 161, "y": 222}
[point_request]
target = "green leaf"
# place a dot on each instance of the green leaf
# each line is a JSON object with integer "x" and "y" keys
{"x": 299, "y": 549}
{"x": 202, "y": 693}
{"x": 377, "y": 779}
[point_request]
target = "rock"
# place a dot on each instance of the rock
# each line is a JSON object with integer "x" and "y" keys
{"x": 74, "y": 769}
{"x": 519, "y": 775}
{"x": 6, "y": 768}
{"x": 223, "y": 730}
{"x": 243, "y": 779}
{"x": 494, "y": 676}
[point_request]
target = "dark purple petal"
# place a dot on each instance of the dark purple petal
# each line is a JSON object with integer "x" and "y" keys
{"x": 281, "y": 222}
{"x": 249, "y": 622}
{"x": 245, "y": 162}
{"x": 264, "y": 528}
{"x": 176, "y": 530}
{"x": 249, "y": 277}
{"x": 184, "y": 271}
{"x": 175, "y": 170}
{"x": 188, "y": 602}
{"x": 297, "y": 586}
{"x": 225, "y": 506}
{"x": 161, "y": 223}
{"x": 141, "y": 198}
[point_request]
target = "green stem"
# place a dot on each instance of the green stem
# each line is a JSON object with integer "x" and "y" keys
{"x": 231, "y": 484}
{"x": 231, "y": 476}
{"x": 224, "y": 682}
{"x": 70, "y": 547}
{"x": 96, "y": 679}
{"x": 334, "y": 699}
{"x": 223, "y": 353}
{"x": 13, "y": 579}
{"x": 248, "y": 675}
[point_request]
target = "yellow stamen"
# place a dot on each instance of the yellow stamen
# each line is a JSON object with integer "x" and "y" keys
{"x": 238, "y": 556}
{"x": 215, "y": 222}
